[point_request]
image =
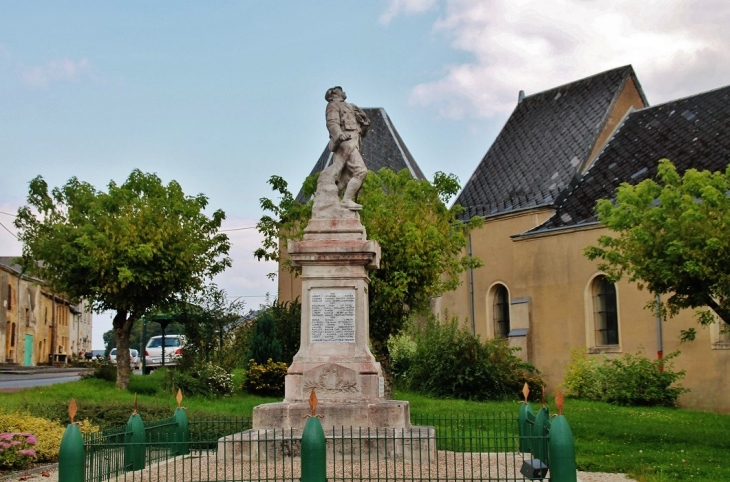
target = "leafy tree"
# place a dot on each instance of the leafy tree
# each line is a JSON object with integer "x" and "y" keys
{"x": 210, "y": 319}
{"x": 137, "y": 246}
{"x": 421, "y": 239}
{"x": 672, "y": 238}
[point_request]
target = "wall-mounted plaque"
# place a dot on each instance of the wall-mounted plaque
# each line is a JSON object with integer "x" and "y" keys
{"x": 332, "y": 315}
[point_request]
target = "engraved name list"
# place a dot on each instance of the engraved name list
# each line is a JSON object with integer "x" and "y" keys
{"x": 332, "y": 315}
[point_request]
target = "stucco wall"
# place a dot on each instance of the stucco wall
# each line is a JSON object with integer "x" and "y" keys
{"x": 553, "y": 273}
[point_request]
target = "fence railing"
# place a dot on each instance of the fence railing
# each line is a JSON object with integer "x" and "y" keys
{"x": 458, "y": 449}
{"x": 493, "y": 447}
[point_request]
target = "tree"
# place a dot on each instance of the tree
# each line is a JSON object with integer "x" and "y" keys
{"x": 210, "y": 319}
{"x": 672, "y": 238}
{"x": 138, "y": 246}
{"x": 264, "y": 343}
{"x": 422, "y": 242}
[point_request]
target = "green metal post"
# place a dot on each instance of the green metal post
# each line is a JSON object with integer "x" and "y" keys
{"x": 182, "y": 433}
{"x": 539, "y": 435}
{"x": 71, "y": 456}
{"x": 134, "y": 444}
{"x": 314, "y": 454}
{"x": 525, "y": 420}
{"x": 562, "y": 451}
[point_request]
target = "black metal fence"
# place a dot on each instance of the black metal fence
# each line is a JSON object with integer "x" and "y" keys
{"x": 227, "y": 450}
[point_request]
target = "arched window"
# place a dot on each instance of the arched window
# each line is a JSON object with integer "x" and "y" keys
{"x": 605, "y": 314}
{"x": 500, "y": 311}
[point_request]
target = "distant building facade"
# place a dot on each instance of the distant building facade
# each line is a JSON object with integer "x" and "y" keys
{"x": 36, "y": 326}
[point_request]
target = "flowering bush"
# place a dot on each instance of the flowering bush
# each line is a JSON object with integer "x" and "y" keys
{"x": 205, "y": 379}
{"x": 16, "y": 450}
{"x": 48, "y": 433}
{"x": 265, "y": 379}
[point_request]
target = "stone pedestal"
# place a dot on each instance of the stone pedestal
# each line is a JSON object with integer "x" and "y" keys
{"x": 334, "y": 359}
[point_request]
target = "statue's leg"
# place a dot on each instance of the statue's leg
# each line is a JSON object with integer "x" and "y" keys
{"x": 357, "y": 166}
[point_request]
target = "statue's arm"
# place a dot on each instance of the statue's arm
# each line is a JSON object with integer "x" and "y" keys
{"x": 332, "y": 115}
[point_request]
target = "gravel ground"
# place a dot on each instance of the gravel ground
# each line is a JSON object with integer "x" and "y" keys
{"x": 193, "y": 468}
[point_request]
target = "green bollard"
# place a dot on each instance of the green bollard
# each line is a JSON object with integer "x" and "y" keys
{"x": 525, "y": 419}
{"x": 562, "y": 451}
{"x": 182, "y": 433}
{"x": 71, "y": 456}
{"x": 539, "y": 435}
{"x": 134, "y": 444}
{"x": 314, "y": 454}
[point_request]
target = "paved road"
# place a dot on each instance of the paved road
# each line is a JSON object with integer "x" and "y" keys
{"x": 20, "y": 378}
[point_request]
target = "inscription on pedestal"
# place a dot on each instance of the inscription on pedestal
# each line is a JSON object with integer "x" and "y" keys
{"x": 332, "y": 315}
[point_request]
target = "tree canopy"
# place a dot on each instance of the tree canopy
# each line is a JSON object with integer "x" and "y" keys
{"x": 672, "y": 238}
{"x": 422, "y": 241}
{"x": 137, "y": 246}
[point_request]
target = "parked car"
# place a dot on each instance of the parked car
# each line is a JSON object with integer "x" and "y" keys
{"x": 134, "y": 360}
{"x": 90, "y": 355}
{"x": 172, "y": 351}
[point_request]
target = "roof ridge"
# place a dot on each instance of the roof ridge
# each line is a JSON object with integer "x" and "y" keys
{"x": 628, "y": 68}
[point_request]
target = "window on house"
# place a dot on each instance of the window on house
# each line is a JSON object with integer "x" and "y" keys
{"x": 605, "y": 314}
{"x": 723, "y": 332}
{"x": 12, "y": 334}
{"x": 10, "y": 297}
{"x": 500, "y": 312}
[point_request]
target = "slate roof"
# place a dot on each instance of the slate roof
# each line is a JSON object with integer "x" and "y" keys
{"x": 10, "y": 263}
{"x": 382, "y": 147}
{"x": 545, "y": 142}
{"x": 693, "y": 132}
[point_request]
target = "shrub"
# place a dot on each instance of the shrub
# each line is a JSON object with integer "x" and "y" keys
{"x": 48, "y": 433}
{"x": 627, "y": 380}
{"x": 265, "y": 379}
{"x": 102, "y": 370}
{"x": 451, "y": 362}
{"x": 104, "y": 414}
{"x": 16, "y": 450}
{"x": 402, "y": 349}
{"x": 205, "y": 379}
{"x": 584, "y": 377}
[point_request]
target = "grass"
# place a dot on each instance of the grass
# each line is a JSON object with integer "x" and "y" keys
{"x": 648, "y": 444}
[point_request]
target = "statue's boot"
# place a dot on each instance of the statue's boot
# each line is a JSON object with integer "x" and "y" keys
{"x": 352, "y": 188}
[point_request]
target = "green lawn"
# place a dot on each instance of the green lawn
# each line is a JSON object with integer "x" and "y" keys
{"x": 649, "y": 444}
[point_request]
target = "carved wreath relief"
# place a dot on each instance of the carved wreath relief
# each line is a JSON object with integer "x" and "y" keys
{"x": 332, "y": 379}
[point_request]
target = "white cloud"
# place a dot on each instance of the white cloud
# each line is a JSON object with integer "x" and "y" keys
{"x": 677, "y": 47}
{"x": 55, "y": 71}
{"x": 406, "y": 7}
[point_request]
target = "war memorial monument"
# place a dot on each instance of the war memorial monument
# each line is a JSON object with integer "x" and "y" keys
{"x": 334, "y": 359}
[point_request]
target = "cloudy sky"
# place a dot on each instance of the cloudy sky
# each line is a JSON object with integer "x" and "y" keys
{"x": 221, "y": 95}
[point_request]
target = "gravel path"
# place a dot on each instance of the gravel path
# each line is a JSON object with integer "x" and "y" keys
{"x": 194, "y": 468}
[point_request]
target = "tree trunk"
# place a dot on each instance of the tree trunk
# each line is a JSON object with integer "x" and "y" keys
{"x": 122, "y": 330}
